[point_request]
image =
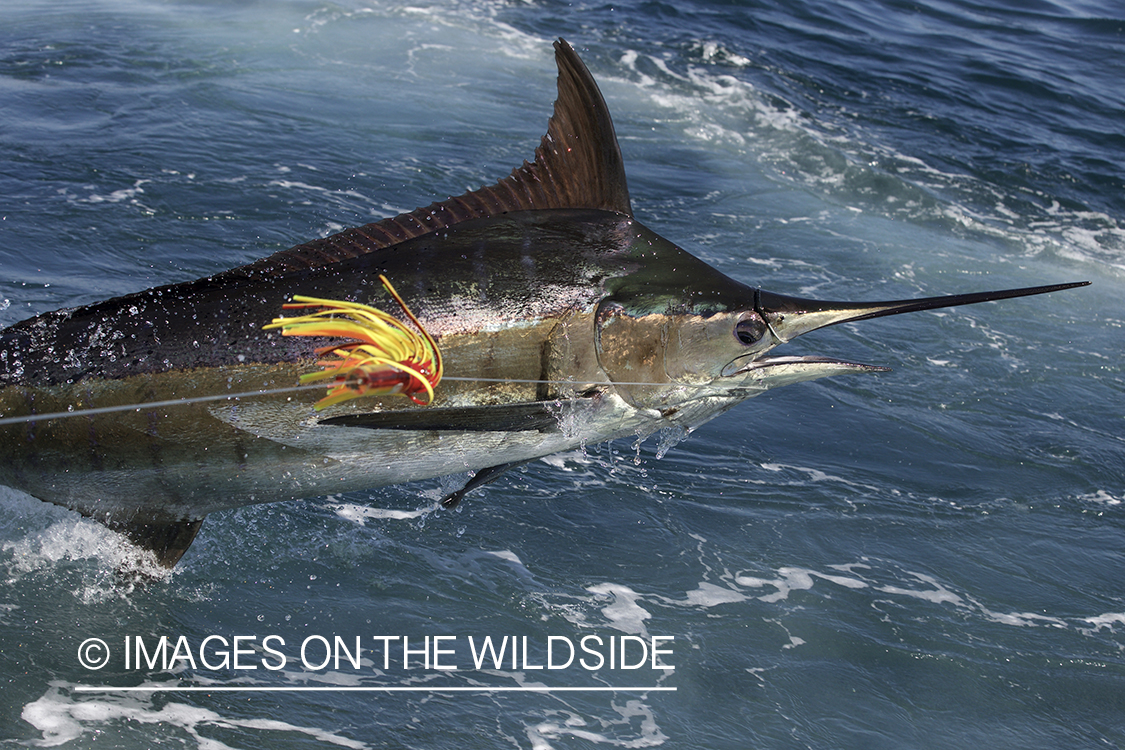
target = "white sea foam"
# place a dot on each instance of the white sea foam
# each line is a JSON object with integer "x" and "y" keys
{"x": 794, "y": 579}
{"x": 938, "y": 594}
{"x": 717, "y": 53}
{"x": 623, "y": 613}
{"x": 63, "y": 717}
{"x": 715, "y": 108}
{"x": 634, "y": 727}
{"x": 117, "y": 196}
{"x": 710, "y": 595}
{"x": 1108, "y": 620}
{"x": 811, "y": 475}
{"x": 1023, "y": 619}
{"x": 1101, "y": 497}
{"x": 361, "y": 514}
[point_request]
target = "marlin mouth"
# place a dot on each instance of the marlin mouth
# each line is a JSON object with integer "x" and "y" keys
{"x": 825, "y": 365}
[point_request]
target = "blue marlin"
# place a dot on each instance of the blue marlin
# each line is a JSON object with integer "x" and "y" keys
{"x": 560, "y": 319}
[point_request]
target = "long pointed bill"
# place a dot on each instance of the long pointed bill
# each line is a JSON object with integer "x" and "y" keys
{"x": 789, "y": 317}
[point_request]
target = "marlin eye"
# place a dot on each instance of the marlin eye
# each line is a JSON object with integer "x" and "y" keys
{"x": 749, "y": 330}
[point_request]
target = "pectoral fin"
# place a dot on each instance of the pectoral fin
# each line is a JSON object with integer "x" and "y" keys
{"x": 537, "y": 416}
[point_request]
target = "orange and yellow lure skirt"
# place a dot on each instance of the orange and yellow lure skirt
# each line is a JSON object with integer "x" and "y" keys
{"x": 382, "y": 356}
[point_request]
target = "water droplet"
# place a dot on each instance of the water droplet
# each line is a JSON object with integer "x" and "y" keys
{"x": 669, "y": 438}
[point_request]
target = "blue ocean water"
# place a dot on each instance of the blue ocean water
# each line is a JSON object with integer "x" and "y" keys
{"x": 926, "y": 558}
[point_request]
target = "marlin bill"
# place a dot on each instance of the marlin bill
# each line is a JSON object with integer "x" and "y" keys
{"x": 527, "y": 317}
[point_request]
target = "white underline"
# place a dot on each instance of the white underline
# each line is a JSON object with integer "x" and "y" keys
{"x": 365, "y": 689}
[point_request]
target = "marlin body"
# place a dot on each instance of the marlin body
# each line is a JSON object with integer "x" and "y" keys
{"x": 561, "y": 320}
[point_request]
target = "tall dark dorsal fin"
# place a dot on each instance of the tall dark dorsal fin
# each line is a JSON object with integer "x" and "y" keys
{"x": 577, "y": 165}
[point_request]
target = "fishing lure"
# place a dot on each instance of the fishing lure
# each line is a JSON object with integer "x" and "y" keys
{"x": 384, "y": 356}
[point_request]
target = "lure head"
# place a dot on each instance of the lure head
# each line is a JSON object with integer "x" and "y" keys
{"x": 680, "y": 337}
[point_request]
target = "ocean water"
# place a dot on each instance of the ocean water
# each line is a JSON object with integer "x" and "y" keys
{"x": 927, "y": 558}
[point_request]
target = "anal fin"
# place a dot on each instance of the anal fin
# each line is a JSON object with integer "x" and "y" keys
{"x": 167, "y": 540}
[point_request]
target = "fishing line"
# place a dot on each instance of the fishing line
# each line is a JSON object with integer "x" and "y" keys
{"x": 266, "y": 392}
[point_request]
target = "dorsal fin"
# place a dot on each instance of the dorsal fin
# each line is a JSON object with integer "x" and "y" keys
{"x": 577, "y": 165}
